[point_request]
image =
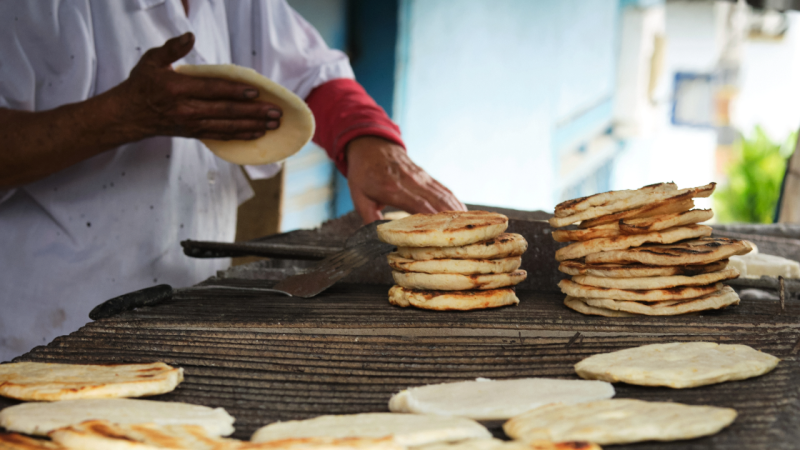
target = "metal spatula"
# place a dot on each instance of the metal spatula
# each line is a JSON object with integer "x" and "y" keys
{"x": 362, "y": 247}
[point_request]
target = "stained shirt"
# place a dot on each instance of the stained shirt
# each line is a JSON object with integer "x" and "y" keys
{"x": 112, "y": 224}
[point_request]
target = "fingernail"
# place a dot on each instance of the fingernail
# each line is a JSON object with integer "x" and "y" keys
{"x": 272, "y": 124}
{"x": 274, "y": 114}
{"x": 186, "y": 38}
{"x": 250, "y": 93}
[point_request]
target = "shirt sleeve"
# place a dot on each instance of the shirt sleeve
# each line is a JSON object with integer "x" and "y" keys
{"x": 344, "y": 111}
{"x": 47, "y": 56}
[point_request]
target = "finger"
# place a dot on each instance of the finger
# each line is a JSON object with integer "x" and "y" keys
{"x": 434, "y": 193}
{"x": 215, "y": 89}
{"x": 452, "y": 201}
{"x": 409, "y": 201}
{"x": 226, "y": 109}
{"x": 229, "y": 137}
{"x": 366, "y": 208}
{"x": 172, "y": 50}
{"x": 229, "y": 127}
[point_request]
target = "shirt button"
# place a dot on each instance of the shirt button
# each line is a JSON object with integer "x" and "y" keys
{"x": 212, "y": 176}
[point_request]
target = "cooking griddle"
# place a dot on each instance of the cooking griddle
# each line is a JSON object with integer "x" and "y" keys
{"x": 266, "y": 358}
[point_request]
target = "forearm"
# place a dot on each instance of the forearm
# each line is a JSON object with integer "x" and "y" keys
{"x": 37, "y": 144}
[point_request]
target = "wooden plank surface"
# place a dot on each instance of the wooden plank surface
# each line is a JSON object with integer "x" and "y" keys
{"x": 267, "y": 358}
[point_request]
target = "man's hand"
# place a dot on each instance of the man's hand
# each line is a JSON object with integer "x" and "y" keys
{"x": 160, "y": 102}
{"x": 380, "y": 174}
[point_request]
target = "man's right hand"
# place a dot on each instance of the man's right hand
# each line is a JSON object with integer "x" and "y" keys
{"x": 160, "y": 102}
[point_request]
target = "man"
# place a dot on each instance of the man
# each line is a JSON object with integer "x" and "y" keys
{"x": 101, "y": 172}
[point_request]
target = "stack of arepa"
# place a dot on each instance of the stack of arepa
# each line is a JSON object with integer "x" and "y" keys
{"x": 454, "y": 260}
{"x": 643, "y": 252}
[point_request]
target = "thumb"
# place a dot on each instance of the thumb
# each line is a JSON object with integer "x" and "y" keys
{"x": 366, "y": 208}
{"x": 172, "y": 50}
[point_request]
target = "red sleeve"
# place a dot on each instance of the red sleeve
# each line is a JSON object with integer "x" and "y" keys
{"x": 344, "y": 111}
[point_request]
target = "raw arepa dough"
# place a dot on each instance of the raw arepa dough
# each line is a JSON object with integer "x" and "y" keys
{"x": 459, "y": 266}
{"x": 14, "y": 441}
{"x": 484, "y": 399}
{"x": 699, "y": 251}
{"x": 579, "y": 304}
{"x": 297, "y": 121}
{"x": 104, "y": 435}
{"x": 32, "y": 381}
{"x": 452, "y": 300}
{"x": 619, "y": 421}
{"x": 456, "y": 282}
{"x": 657, "y": 282}
{"x": 677, "y": 365}
{"x": 497, "y": 444}
{"x": 405, "y": 429}
{"x": 444, "y": 229}
{"x": 42, "y": 418}
{"x": 756, "y": 265}
{"x": 583, "y": 248}
{"x": 574, "y": 289}
{"x": 638, "y": 270}
{"x": 716, "y": 300}
{"x": 503, "y": 246}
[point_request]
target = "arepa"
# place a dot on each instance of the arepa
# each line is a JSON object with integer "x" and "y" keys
{"x": 14, "y": 441}
{"x": 105, "y": 435}
{"x": 488, "y": 400}
{"x": 33, "y": 381}
{"x": 497, "y": 444}
{"x": 670, "y": 206}
{"x": 574, "y": 289}
{"x": 579, "y": 305}
{"x": 677, "y": 365}
{"x": 456, "y": 282}
{"x": 619, "y": 421}
{"x": 662, "y": 222}
{"x": 405, "y": 429}
{"x": 638, "y": 270}
{"x": 646, "y": 199}
{"x": 444, "y": 229}
{"x": 41, "y": 418}
{"x": 459, "y": 266}
{"x": 452, "y": 300}
{"x": 715, "y": 300}
{"x": 657, "y": 282}
{"x": 503, "y": 246}
{"x": 699, "y": 251}
{"x": 574, "y": 206}
{"x": 583, "y": 248}
{"x": 323, "y": 443}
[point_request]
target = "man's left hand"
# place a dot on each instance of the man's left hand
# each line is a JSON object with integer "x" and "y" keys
{"x": 380, "y": 173}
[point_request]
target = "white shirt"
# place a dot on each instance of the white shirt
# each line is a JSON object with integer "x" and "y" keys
{"x": 112, "y": 224}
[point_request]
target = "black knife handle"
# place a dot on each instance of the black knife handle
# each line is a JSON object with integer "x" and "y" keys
{"x": 135, "y": 299}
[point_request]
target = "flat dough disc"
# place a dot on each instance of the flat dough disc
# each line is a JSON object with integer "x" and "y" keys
{"x": 297, "y": 122}
{"x": 619, "y": 421}
{"x": 677, "y": 365}
{"x": 444, "y": 229}
{"x": 583, "y": 248}
{"x": 484, "y": 399}
{"x": 657, "y": 282}
{"x": 405, "y": 429}
{"x": 42, "y": 418}
{"x": 698, "y": 251}
{"x": 460, "y": 266}
{"x": 32, "y": 381}
{"x": 503, "y": 246}
{"x": 579, "y": 304}
{"x": 497, "y": 444}
{"x": 452, "y": 300}
{"x": 455, "y": 282}
{"x": 716, "y": 300}
{"x": 638, "y": 270}
{"x": 574, "y": 289}
{"x": 105, "y": 435}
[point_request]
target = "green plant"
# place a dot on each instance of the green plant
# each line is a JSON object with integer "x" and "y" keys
{"x": 754, "y": 179}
